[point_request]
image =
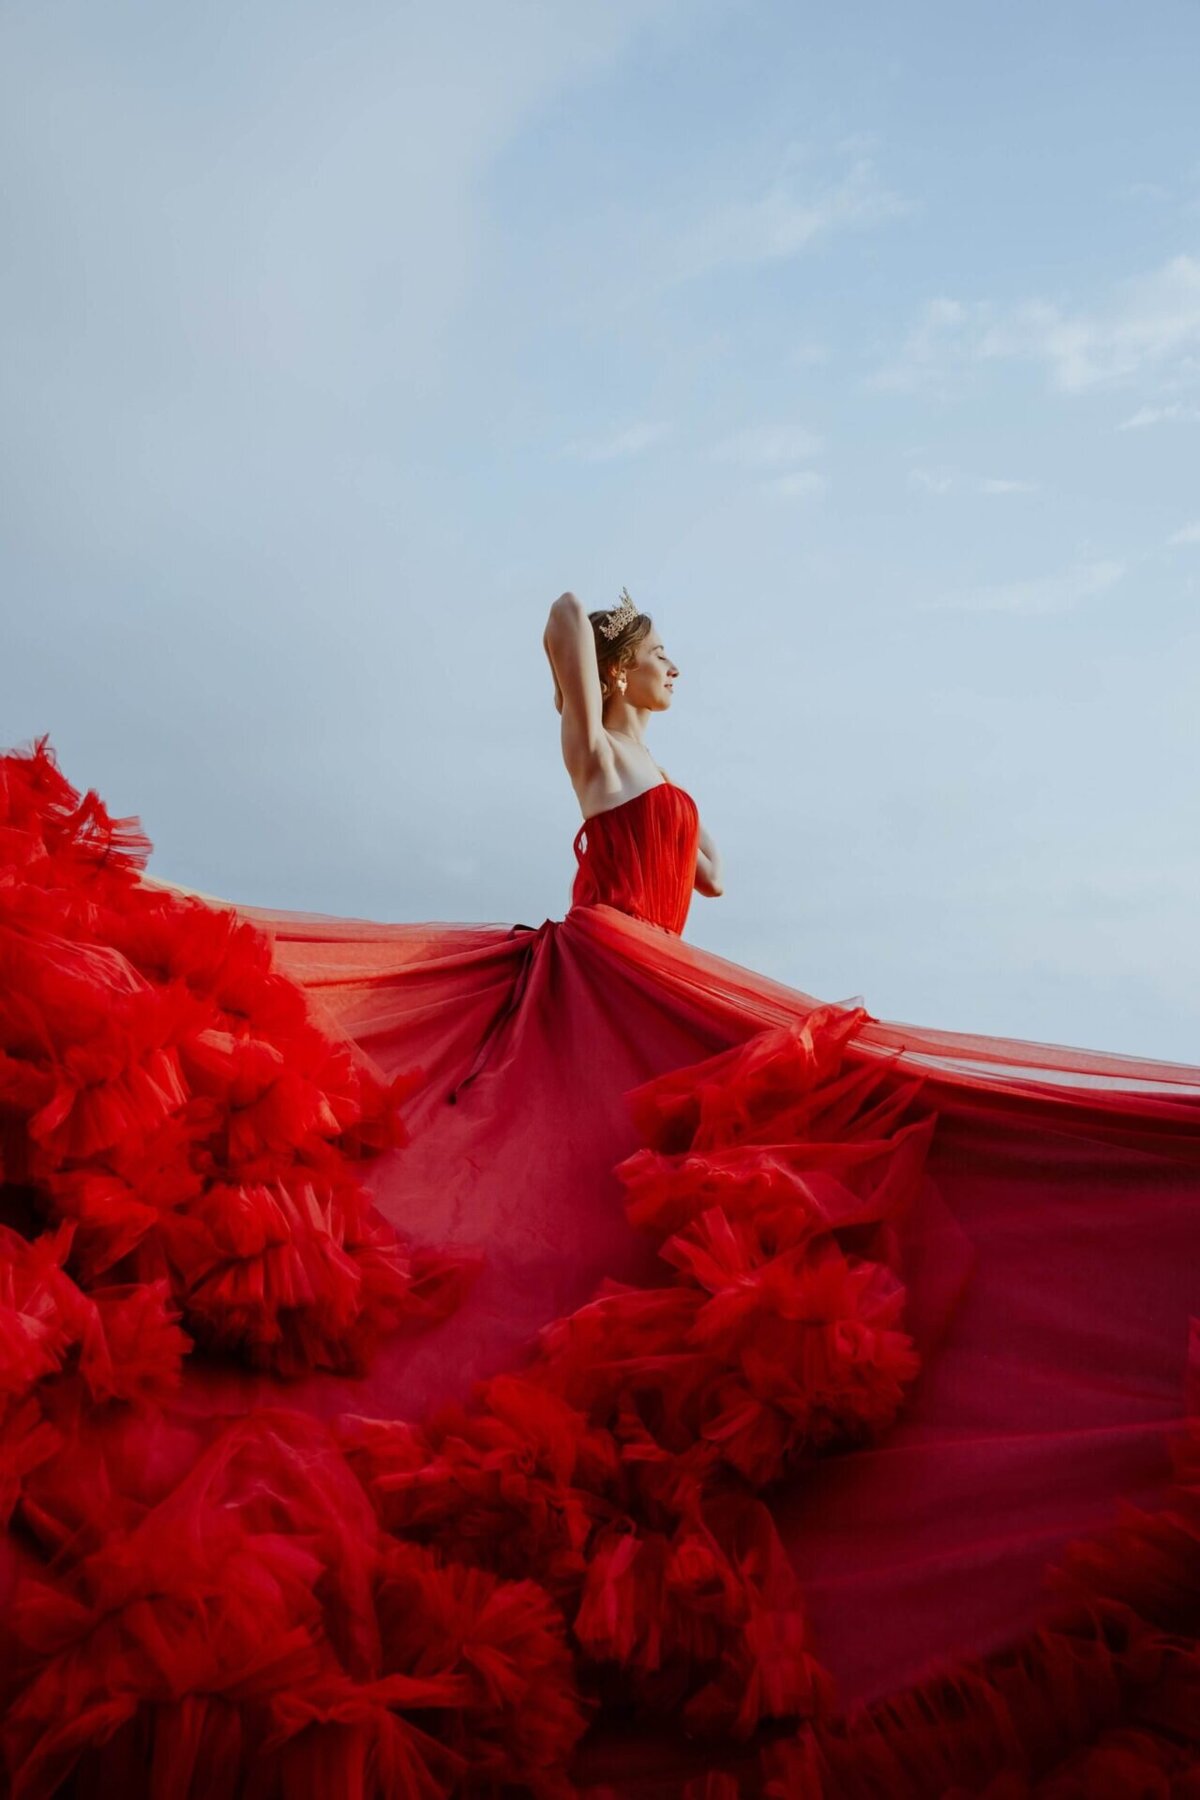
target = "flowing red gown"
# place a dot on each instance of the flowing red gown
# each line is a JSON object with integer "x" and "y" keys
{"x": 449, "y": 1358}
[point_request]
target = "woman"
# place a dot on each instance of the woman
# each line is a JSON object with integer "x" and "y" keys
{"x": 694, "y": 1406}
{"x": 615, "y": 669}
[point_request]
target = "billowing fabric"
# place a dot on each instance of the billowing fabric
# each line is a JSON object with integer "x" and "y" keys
{"x": 640, "y": 857}
{"x": 461, "y": 1358}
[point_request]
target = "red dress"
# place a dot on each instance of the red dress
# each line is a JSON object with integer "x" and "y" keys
{"x": 640, "y": 857}
{"x": 492, "y": 1360}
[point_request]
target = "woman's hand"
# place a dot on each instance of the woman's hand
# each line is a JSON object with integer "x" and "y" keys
{"x": 710, "y": 872}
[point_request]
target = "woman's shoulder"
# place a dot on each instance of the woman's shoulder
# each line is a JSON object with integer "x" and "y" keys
{"x": 613, "y": 776}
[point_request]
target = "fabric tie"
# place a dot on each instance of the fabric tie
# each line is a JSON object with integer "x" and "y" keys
{"x": 491, "y": 1035}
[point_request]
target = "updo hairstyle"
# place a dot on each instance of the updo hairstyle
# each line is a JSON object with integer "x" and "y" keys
{"x": 616, "y": 653}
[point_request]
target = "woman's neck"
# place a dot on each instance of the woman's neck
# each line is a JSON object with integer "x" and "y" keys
{"x": 630, "y": 723}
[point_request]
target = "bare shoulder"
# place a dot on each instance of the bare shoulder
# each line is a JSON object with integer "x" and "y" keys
{"x": 616, "y": 774}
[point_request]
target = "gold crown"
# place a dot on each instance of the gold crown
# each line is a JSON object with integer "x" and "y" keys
{"x": 619, "y": 617}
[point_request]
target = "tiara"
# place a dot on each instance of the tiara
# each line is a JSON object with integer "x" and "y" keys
{"x": 619, "y": 616}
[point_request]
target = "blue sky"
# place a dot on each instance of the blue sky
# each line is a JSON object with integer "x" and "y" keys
{"x": 862, "y": 345}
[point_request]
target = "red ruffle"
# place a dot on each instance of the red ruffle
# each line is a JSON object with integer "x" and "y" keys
{"x": 165, "y": 1088}
{"x": 256, "y": 1632}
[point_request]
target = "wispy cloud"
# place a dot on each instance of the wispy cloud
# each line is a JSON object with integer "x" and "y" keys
{"x": 767, "y": 446}
{"x": 1188, "y": 534}
{"x": 785, "y": 216}
{"x": 619, "y": 446}
{"x": 1161, "y": 415}
{"x": 800, "y": 484}
{"x": 1153, "y": 191}
{"x": 1182, "y": 192}
{"x": 952, "y": 481}
{"x": 931, "y": 481}
{"x": 934, "y": 346}
{"x": 770, "y": 451}
{"x": 1150, "y": 329}
{"x": 1042, "y": 594}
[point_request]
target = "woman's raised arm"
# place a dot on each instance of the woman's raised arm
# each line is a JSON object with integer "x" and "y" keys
{"x": 570, "y": 645}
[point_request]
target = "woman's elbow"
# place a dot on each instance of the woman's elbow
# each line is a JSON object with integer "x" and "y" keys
{"x": 565, "y": 607}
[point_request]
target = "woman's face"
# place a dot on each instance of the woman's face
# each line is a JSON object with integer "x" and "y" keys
{"x": 650, "y": 678}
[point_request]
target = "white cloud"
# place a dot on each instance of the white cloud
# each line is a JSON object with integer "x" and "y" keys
{"x": 1188, "y": 534}
{"x": 776, "y": 447}
{"x": 1160, "y": 415}
{"x": 931, "y": 346}
{"x": 949, "y": 481}
{"x": 767, "y": 446}
{"x": 1143, "y": 190}
{"x": 787, "y": 216}
{"x": 1150, "y": 329}
{"x": 632, "y": 441}
{"x": 931, "y": 481}
{"x": 1042, "y": 594}
{"x": 800, "y": 484}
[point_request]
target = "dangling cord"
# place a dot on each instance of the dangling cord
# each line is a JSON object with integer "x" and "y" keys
{"x": 488, "y": 1041}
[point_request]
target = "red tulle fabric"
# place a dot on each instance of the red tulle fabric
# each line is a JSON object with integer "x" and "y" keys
{"x": 640, "y": 857}
{"x": 729, "y": 1393}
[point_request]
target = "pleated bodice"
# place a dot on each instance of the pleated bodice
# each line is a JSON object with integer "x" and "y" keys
{"x": 640, "y": 856}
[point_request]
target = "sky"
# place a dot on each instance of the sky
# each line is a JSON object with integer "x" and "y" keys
{"x": 861, "y": 344}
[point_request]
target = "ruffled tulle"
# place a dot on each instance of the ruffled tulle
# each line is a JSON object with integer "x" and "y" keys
{"x": 164, "y": 1088}
{"x": 460, "y": 1602}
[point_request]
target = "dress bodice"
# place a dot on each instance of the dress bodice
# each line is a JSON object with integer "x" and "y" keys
{"x": 640, "y": 856}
